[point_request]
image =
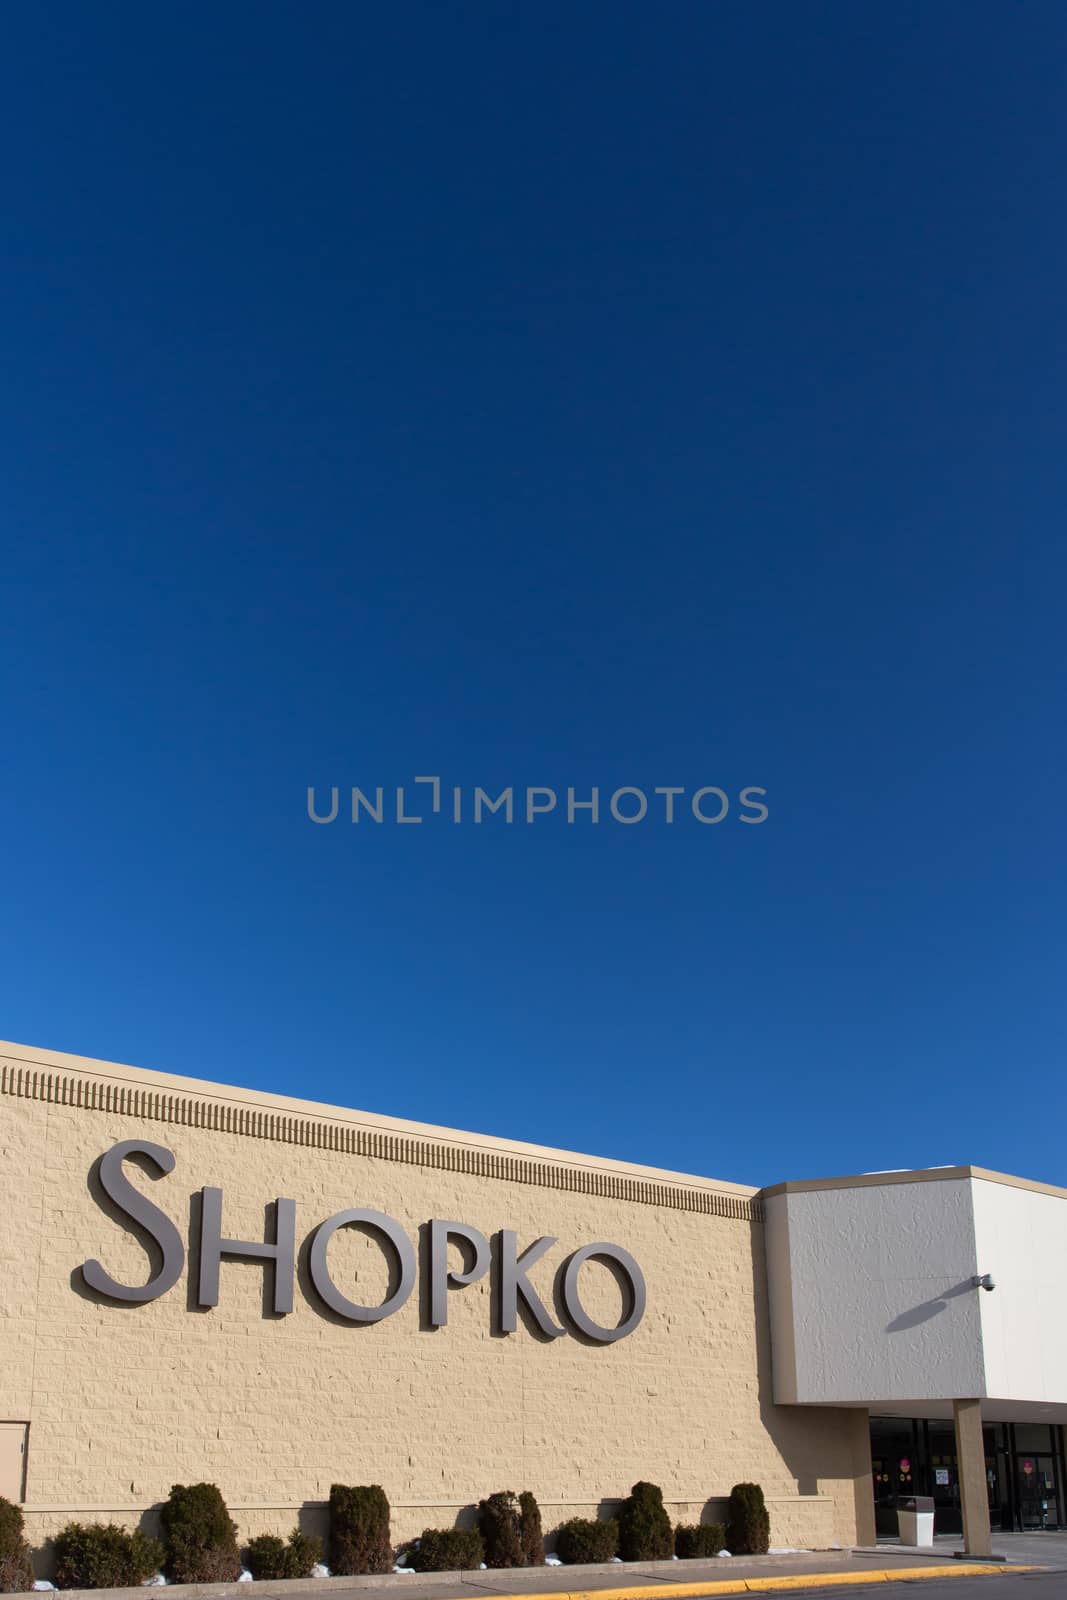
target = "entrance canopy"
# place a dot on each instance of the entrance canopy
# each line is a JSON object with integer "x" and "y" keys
{"x": 902, "y": 1292}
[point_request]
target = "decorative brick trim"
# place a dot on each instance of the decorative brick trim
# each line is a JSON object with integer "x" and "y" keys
{"x": 154, "y": 1105}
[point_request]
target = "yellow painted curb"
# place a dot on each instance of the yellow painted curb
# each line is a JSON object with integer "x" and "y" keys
{"x": 827, "y": 1580}
{"x": 666, "y": 1590}
{"x": 646, "y": 1591}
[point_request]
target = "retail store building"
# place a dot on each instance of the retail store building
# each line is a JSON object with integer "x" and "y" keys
{"x": 202, "y": 1282}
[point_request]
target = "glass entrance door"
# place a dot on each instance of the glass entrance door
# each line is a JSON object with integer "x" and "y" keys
{"x": 1024, "y": 1466}
{"x": 1036, "y": 1491}
{"x": 1038, "y": 1478}
{"x": 942, "y": 1477}
{"x": 997, "y": 1477}
{"x": 894, "y": 1469}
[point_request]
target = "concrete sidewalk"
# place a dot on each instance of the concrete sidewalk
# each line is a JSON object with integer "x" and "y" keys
{"x": 674, "y": 1580}
{"x": 1039, "y": 1547}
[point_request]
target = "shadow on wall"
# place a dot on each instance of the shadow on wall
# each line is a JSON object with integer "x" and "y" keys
{"x": 929, "y": 1308}
{"x": 313, "y": 1518}
{"x": 805, "y": 1455}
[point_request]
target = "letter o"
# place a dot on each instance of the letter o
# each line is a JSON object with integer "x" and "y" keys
{"x": 619, "y": 815}
{"x": 635, "y": 1280}
{"x": 698, "y": 797}
{"x": 394, "y": 1237}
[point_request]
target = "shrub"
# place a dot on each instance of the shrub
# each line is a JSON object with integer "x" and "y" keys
{"x": 97, "y": 1555}
{"x": 16, "y": 1569}
{"x": 500, "y": 1525}
{"x": 265, "y": 1558}
{"x": 200, "y": 1538}
{"x": 748, "y": 1526}
{"x": 645, "y": 1532}
{"x": 580, "y": 1540}
{"x": 304, "y": 1552}
{"x": 699, "y": 1539}
{"x": 269, "y": 1558}
{"x": 359, "y": 1529}
{"x": 447, "y": 1550}
{"x": 531, "y": 1534}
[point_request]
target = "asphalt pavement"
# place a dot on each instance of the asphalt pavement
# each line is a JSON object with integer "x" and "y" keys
{"x": 1000, "y": 1586}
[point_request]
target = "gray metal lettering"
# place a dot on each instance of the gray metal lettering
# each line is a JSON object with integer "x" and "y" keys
{"x": 154, "y": 1222}
{"x": 440, "y": 1276}
{"x": 635, "y": 1282}
{"x": 397, "y": 1240}
{"x": 282, "y": 1253}
{"x": 509, "y": 1267}
{"x": 514, "y": 1282}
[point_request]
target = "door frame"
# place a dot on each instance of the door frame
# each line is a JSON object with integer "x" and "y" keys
{"x": 12, "y": 1427}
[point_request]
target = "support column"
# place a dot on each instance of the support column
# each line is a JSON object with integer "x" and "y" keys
{"x": 970, "y": 1464}
{"x": 862, "y": 1482}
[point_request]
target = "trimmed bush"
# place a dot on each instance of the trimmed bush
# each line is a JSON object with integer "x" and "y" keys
{"x": 748, "y": 1525}
{"x": 304, "y": 1552}
{"x": 531, "y": 1534}
{"x": 693, "y": 1540}
{"x": 16, "y": 1569}
{"x": 268, "y": 1557}
{"x": 581, "y": 1540}
{"x": 645, "y": 1532}
{"x": 447, "y": 1550}
{"x": 500, "y": 1525}
{"x": 199, "y": 1535}
{"x": 359, "y": 1529}
{"x": 265, "y": 1558}
{"x": 98, "y": 1555}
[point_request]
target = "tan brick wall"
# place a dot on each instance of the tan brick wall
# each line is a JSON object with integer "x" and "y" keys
{"x": 124, "y": 1401}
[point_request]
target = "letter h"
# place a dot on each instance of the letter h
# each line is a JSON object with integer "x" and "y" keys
{"x": 282, "y": 1253}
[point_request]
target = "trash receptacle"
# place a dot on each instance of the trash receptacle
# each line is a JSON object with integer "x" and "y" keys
{"x": 915, "y": 1520}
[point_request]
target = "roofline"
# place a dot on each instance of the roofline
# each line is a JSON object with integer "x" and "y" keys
{"x": 34, "y": 1057}
{"x": 874, "y": 1180}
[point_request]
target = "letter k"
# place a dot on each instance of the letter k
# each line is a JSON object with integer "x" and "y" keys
{"x": 514, "y": 1282}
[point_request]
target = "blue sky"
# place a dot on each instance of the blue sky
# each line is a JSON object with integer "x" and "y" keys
{"x": 541, "y": 396}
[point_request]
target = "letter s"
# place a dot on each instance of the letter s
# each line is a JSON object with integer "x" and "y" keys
{"x": 753, "y": 805}
{"x": 148, "y": 1217}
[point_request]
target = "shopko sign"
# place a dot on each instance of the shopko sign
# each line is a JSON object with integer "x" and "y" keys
{"x": 509, "y": 1268}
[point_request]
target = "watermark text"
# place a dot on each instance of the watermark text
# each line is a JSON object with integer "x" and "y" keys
{"x": 428, "y": 799}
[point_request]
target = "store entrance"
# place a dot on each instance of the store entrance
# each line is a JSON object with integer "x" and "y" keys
{"x": 1038, "y": 1480}
{"x": 1024, "y": 1473}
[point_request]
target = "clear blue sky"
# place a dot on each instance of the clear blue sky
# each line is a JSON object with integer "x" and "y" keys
{"x": 546, "y": 395}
